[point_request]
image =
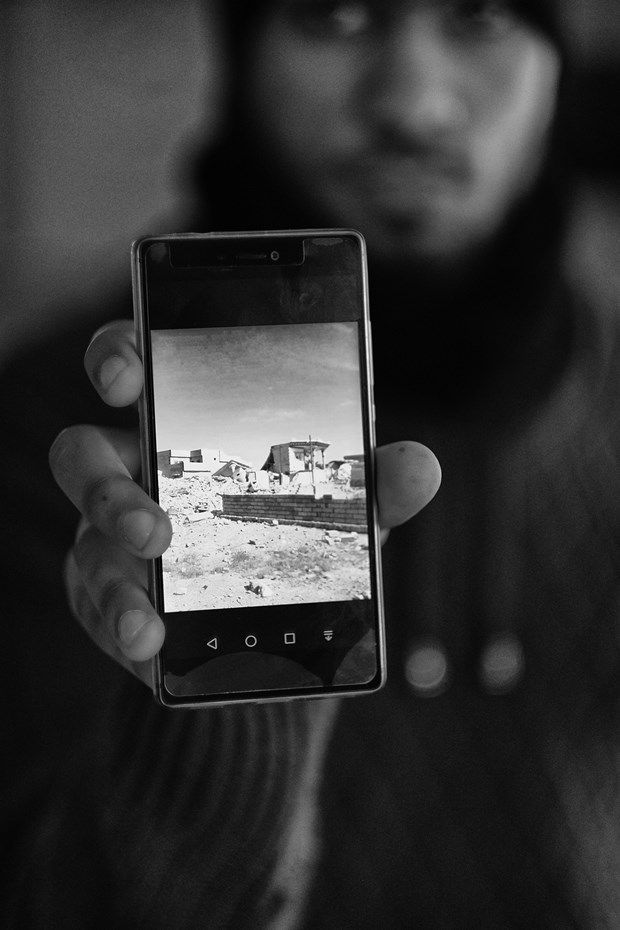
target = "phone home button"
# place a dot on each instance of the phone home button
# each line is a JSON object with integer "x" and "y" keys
{"x": 251, "y": 641}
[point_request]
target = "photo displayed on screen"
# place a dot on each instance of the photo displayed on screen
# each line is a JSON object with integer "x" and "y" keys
{"x": 260, "y": 465}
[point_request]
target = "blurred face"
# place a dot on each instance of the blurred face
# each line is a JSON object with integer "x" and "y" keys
{"x": 419, "y": 122}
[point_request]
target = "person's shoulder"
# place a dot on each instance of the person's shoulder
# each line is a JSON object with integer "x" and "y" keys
{"x": 591, "y": 271}
{"x": 591, "y": 254}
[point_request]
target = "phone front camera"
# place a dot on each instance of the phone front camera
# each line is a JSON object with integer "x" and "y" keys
{"x": 274, "y": 256}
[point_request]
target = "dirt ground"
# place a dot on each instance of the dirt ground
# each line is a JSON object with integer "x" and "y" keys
{"x": 218, "y": 562}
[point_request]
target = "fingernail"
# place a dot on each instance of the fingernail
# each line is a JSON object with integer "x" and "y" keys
{"x": 130, "y": 625}
{"x": 110, "y": 370}
{"x": 138, "y": 526}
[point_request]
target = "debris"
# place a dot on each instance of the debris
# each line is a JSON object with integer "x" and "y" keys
{"x": 284, "y": 561}
{"x": 257, "y": 587}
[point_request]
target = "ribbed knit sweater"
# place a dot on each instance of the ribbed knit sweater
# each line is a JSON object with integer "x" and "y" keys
{"x": 479, "y": 810}
{"x": 463, "y": 810}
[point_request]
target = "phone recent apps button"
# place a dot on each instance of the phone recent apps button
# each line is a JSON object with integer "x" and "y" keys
{"x": 290, "y": 639}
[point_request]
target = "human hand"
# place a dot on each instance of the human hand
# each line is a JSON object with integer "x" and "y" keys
{"x": 121, "y": 527}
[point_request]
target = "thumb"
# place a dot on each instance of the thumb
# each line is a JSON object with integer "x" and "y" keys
{"x": 408, "y": 477}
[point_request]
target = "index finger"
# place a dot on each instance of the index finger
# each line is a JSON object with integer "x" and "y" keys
{"x": 113, "y": 364}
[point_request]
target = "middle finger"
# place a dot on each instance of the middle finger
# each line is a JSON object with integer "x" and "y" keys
{"x": 94, "y": 468}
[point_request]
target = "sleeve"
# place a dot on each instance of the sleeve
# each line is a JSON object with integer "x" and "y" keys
{"x": 117, "y": 812}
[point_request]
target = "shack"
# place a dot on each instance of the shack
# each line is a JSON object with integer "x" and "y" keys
{"x": 289, "y": 458}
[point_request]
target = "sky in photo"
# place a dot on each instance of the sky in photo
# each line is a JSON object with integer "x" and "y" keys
{"x": 244, "y": 389}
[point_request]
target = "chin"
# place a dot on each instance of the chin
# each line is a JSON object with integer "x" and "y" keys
{"x": 401, "y": 244}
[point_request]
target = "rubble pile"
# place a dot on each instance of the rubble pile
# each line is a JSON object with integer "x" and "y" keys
{"x": 194, "y": 494}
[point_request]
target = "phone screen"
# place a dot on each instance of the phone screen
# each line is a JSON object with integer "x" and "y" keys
{"x": 259, "y": 427}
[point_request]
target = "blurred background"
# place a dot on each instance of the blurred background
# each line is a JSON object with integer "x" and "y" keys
{"x": 103, "y": 102}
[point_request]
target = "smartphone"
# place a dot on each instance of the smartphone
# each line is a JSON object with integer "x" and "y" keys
{"x": 257, "y": 434}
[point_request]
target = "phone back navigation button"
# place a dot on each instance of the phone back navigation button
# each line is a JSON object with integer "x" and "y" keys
{"x": 212, "y": 643}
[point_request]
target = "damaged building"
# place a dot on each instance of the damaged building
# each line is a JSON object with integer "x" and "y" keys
{"x": 289, "y": 458}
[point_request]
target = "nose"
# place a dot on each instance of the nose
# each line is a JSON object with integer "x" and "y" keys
{"x": 415, "y": 89}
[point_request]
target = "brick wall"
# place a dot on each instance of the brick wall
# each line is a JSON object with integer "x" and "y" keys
{"x": 302, "y": 509}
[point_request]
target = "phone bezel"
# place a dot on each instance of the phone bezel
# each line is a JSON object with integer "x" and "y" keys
{"x": 138, "y": 250}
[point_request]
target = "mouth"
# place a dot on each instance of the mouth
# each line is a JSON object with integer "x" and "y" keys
{"x": 404, "y": 183}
